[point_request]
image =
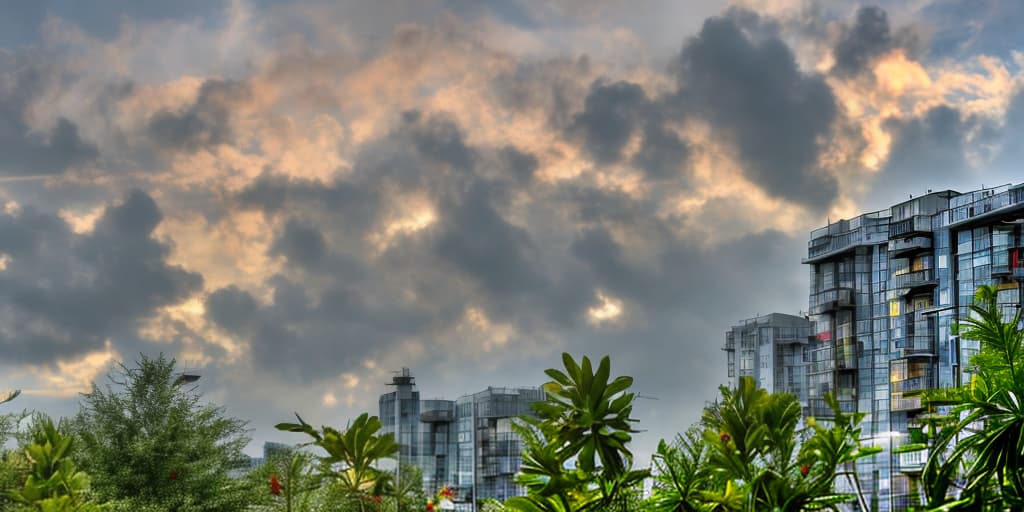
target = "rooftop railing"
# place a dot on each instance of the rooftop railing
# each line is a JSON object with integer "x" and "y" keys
{"x": 981, "y": 203}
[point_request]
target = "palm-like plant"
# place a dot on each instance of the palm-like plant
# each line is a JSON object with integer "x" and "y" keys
{"x": 586, "y": 416}
{"x": 990, "y": 432}
{"x": 9, "y": 395}
{"x": 352, "y": 455}
{"x": 747, "y": 456}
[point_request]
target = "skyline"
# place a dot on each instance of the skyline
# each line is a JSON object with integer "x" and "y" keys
{"x": 297, "y": 199}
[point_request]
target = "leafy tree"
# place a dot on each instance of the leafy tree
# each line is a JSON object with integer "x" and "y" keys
{"x": 349, "y": 468}
{"x": 586, "y": 417}
{"x": 747, "y": 456}
{"x": 151, "y": 445}
{"x": 54, "y": 484}
{"x": 987, "y": 439}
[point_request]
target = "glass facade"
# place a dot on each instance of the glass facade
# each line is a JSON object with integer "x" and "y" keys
{"x": 467, "y": 444}
{"x": 770, "y": 348}
{"x": 885, "y": 287}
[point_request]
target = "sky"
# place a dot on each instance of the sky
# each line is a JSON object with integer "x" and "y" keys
{"x": 295, "y": 199}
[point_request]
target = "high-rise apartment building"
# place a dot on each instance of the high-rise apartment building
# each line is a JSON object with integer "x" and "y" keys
{"x": 770, "y": 348}
{"x": 885, "y": 287}
{"x": 467, "y": 444}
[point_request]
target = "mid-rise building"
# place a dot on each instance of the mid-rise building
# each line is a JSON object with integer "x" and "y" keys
{"x": 770, "y": 348}
{"x": 467, "y": 444}
{"x": 885, "y": 288}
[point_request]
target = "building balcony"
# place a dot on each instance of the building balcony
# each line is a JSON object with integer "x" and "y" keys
{"x": 912, "y": 403}
{"x": 900, "y": 247}
{"x": 914, "y": 280}
{"x": 831, "y": 300}
{"x": 918, "y": 224}
{"x": 911, "y": 462}
{"x": 730, "y": 345}
{"x": 818, "y": 408}
{"x": 920, "y": 383}
{"x": 983, "y": 205}
{"x": 914, "y": 346}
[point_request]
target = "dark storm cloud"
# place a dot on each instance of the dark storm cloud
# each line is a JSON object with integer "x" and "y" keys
{"x": 205, "y": 123}
{"x": 359, "y": 308}
{"x": 24, "y": 151}
{"x": 869, "y": 38}
{"x": 929, "y": 149}
{"x": 742, "y": 78}
{"x": 301, "y": 244}
{"x": 63, "y": 294}
{"x": 612, "y": 113}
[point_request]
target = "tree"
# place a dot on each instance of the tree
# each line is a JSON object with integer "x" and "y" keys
{"x": 352, "y": 458}
{"x": 987, "y": 440}
{"x": 586, "y": 417}
{"x": 748, "y": 456}
{"x": 151, "y": 444}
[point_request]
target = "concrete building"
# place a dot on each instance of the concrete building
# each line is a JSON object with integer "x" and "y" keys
{"x": 467, "y": 444}
{"x": 770, "y": 348}
{"x": 885, "y": 287}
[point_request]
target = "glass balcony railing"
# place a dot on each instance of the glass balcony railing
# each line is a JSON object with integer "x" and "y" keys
{"x": 912, "y": 462}
{"x": 818, "y": 408}
{"x": 831, "y": 300}
{"x": 909, "y": 346}
{"x": 905, "y": 404}
{"x": 914, "y": 279}
{"x": 915, "y": 224}
{"x": 965, "y": 208}
{"x": 902, "y": 246}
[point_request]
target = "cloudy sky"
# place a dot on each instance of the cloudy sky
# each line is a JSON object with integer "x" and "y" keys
{"x": 296, "y": 199}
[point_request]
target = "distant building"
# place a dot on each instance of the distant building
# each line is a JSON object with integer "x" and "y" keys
{"x": 466, "y": 443}
{"x": 885, "y": 288}
{"x": 770, "y": 348}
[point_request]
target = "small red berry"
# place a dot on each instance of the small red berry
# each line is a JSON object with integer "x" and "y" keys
{"x": 173, "y": 475}
{"x": 275, "y": 485}
{"x": 725, "y": 437}
{"x": 804, "y": 470}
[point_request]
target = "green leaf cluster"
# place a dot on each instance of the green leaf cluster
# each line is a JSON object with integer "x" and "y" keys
{"x": 54, "y": 484}
{"x": 350, "y": 463}
{"x": 586, "y": 418}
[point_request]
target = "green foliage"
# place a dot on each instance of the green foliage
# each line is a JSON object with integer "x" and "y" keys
{"x": 746, "y": 456}
{"x": 54, "y": 484}
{"x": 586, "y": 416}
{"x": 151, "y": 445}
{"x": 987, "y": 439}
{"x": 297, "y": 485}
{"x": 349, "y": 468}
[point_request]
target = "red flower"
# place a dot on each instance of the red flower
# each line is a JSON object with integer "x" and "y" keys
{"x": 725, "y": 437}
{"x": 275, "y": 486}
{"x": 430, "y": 506}
{"x": 804, "y": 470}
{"x": 447, "y": 492}
{"x": 173, "y": 475}
{"x": 377, "y": 499}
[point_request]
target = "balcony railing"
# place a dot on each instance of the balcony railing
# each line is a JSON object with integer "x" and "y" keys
{"x": 902, "y": 246}
{"x": 985, "y": 203}
{"x": 909, "y": 346}
{"x": 818, "y": 408}
{"x": 914, "y": 279}
{"x": 915, "y": 224}
{"x": 912, "y": 384}
{"x": 912, "y": 462}
{"x": 831, "y": 300}
{"x": 905, "y": 404}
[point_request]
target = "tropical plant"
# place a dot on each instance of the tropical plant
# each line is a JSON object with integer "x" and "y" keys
{"x": 54, "y": 484}
{"x": 352, "y": 456}
{"x": 587, "y": 417}
{"x": 9, "y": 395}
{"x": 285, "y": 482}
{"x": 151, "y": 445}
{"x": 748, "y": 456}
{"x": 987, "y": 440}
